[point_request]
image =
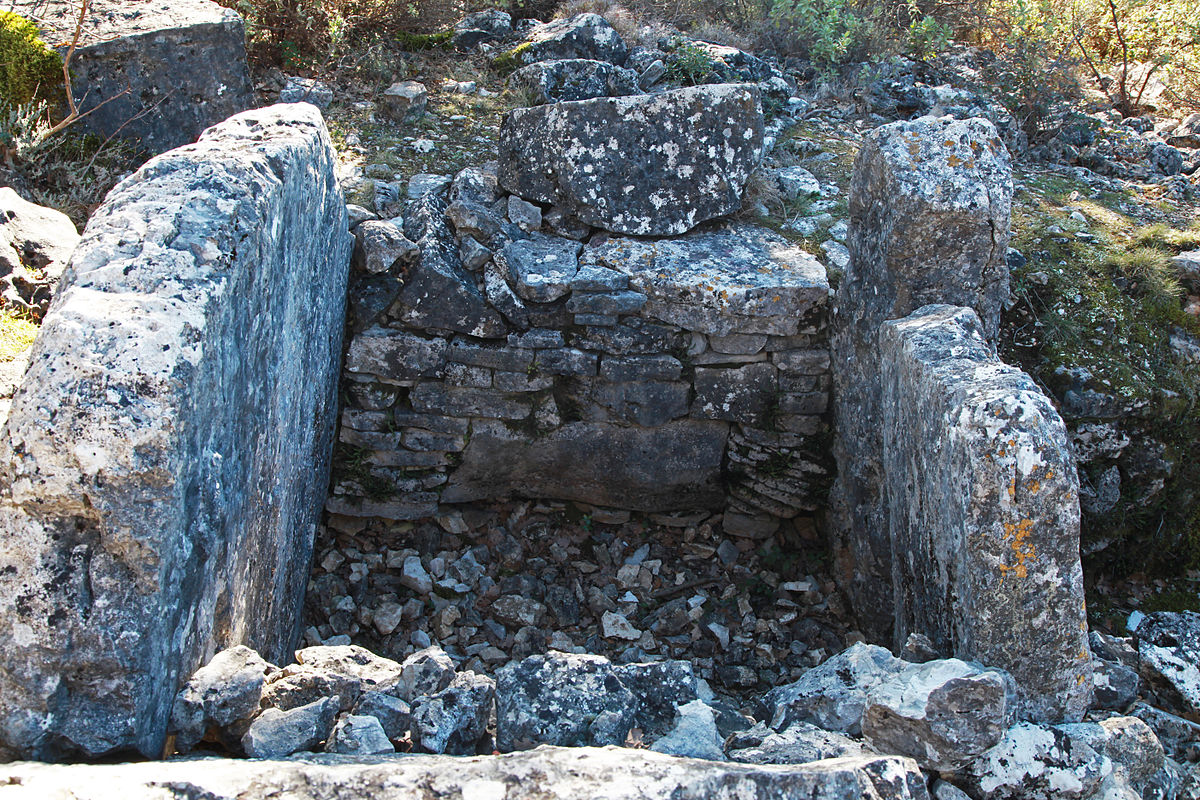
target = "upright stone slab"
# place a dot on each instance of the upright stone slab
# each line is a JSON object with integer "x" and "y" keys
{"x": 154, "y": 71}
{"x": 930, "y": 202}
{"x": 166, "y": 459}
{"x": 648, "y": 165}
{"x": 983, "y": 503}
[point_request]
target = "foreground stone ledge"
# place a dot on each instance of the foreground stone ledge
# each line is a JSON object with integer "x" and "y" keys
{"x": 546, "y": 772}
{"x": 166, "y": 459}
{"x": 983, "y": 501}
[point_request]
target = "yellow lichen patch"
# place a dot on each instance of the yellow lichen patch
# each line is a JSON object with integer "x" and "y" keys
{"x": 1017, "y": 535}
{"x": 953, "y": 160}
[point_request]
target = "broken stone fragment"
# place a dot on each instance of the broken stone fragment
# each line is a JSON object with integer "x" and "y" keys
{"x": 358, "y": 735}
{"x": 799, "y": 743}
{"x": 454, "y": 719}
{"x": 1168, "y": 643}
{"x": 833, "y": 696}
{"x": 1037, "y": 763}
{"x": 35, "y": 245}
{"x": 695, "y": 734}
{"x": 277, "y": 734}
{"x": 394, "y": 715}
{"x": 541, "y": 267}
{"x": 645, "y": 165}
{"x": 425, "y": 672}
{"x": 379, "y": 246}
{"x": 224, "y": 691}
{"x": 574, "y": 79}
{"x": 942, "y": 713}
{"x": 404, "y": 101}
{"x": 481, "y": 26}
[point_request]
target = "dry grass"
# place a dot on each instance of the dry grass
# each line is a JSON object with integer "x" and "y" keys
{"x": 17, "y": 332}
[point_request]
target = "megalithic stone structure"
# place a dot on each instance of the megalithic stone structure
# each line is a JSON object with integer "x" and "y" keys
{"x": 983, "y": 511}
{"x": 930, "y": 201}
{"x": 165, "y": 462}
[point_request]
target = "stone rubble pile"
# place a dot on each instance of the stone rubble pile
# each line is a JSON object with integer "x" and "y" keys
{"x": 956, "y": 721}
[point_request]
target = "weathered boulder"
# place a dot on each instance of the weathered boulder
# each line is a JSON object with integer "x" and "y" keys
{"x": 151, "y": 512}
{"x": 982, "y": 500}
{"x": 661, "y": 687}
{"x": 615, "y": 773}
{"x": 799, "y": 743}
{"x": 224, "y": 691}
{"x": 930, "y": 202}
{"x": 738, "y": 279}
{"x": 561, "y": 699}
{"x": 35, "y": 244}
{"x": 941, "y": 713}
{"x": 672, "y": 467}
{"x": 1037, "y": 763}
{"x": 1128, "y": 742}
{"x": 574, "y": 79}
{"x": 1169, "y": 645}
{"x": 833, "y": 695}
{"x": 645, "y": 165}
{"x": 581, "y": 36}
{"x": 455, "y": 718}
{"x": 153, "y": 72}
{"x": 482, "y": 26}
{"x": 275, "y": 733}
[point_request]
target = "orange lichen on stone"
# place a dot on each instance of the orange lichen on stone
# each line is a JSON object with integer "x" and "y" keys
{"x": 1023, "y": 550}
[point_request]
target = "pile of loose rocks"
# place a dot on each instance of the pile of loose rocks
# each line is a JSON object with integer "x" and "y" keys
{"x": 489, "y": 583}
{"x": 954, "y": 719}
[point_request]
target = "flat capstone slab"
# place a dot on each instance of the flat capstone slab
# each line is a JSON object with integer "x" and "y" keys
{"x": 740, "y": 279}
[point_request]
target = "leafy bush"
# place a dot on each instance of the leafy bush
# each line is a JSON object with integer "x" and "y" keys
{"x": 829, "y": 32}
{"x": 690, "y": 64}
{"x": 29, "y": 70}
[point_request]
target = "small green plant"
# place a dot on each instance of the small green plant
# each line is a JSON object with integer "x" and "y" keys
{"x": 829, "y": 32}
{"x": 927, "y": 37}
{"x": 17, "y": 332}
{"x": 690, "y": 64}
{"x": 1149, "y": 272}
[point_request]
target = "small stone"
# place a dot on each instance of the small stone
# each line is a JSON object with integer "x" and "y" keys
{"x": 518, "y": 611}
{"x": 225, "y": 690}
{"x": 424, "y": 184}
{"x": 523, "y": 214}
{"x": 414, "y": 576}
{"x": 404, "y": 101}
{"x": 387, "y": 617}
{"x": 425, "y": 672}
{"x": 833, "y": 695}
{"x": 277, "y": 734}
{"x": 306, "y": 90}
{"x": 394, "y": 715}
{"x": 358, "y": 735}
{"x": 797, "y": 182}
{"x": 695, "y": 734}
{"x": 454, "y": 719}
{"x": 616, "y": 626}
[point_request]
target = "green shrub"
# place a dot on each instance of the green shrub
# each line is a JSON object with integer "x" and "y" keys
{"x": 29, "y": 70}
{"x": 829, "y": 32}
{"x": 690, "y": 64}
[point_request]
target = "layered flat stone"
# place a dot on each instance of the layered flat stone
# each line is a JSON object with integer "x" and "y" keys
{"x": 740, "y": 279}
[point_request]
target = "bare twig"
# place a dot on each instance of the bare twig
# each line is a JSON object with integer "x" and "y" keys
{"x": 1122, "y": 87}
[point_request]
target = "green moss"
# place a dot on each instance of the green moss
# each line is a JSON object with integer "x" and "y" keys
{"x": 510, "y": 60}
{"x": 29, "y": 69}
{"x": 416, "y": 42}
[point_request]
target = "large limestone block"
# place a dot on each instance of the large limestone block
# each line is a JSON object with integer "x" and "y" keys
{"x": 649, "y": 165}
{"x": 167, "y": 457}
{"x": 738, "y": 279}
{"x": 616, "y": 773}
{"x": 983, "y": 500}
{"x": 671, "y": 467}
{"x": 157, "y": 72}
{"x": 930, "y": 202}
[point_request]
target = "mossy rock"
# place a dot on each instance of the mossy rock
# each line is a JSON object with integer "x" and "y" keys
{"x": 29, "y": 69}
{"x": 416, "y": 42}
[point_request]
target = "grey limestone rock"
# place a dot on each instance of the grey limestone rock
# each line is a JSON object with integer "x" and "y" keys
{"x": 1187, "y": 267}
{"x": 275, "y": 733}
{"x": 982, "y": 498}
{"x": 395, "y": 355}
{"x": 481, "y": 26}
{"x": 574, "y": 79}
{"x": 694, "y": 735}
{"x": 35, "y": 244}
{"x": 226, "y": 690}
{"x": 454, "y": 719}
{"x": 661, "y": 687}
{"x": 394, "y": 715}
{"x": 941, "y": 713}
{"x": 425, "y": 672}
{"x": 1169, "y": 646}
{"x": 737, "y": 279}
{"x": 404, "y": 101}
{"x": 615, "y": 773}
{"x": 930, "y": 202}
{"x": 558, "y": 698}
{"x": 153, "y": 72}
{"x": 799, "y": 743}
{"x": 1037, "y": 763}
{"x": 191, "y": 360}
{"x": 1175, "y": 733}
{"x": 644, "y": 165}
{"x": 541, "y": 267}
{"x": 358, "y": 735}
{"x": 833, "y": 695}
{"x": 380, "y": 245}
{"x": 306, "y": 90}
{"x": 739, "y": 394}
{"x": 797, "y": 182}
{"x": 586, "y": 36}
{"x": 1128, "y": 742}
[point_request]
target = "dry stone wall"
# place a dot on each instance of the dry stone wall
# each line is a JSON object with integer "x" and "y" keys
{"x": 165, "y": 460}
{"x": 682, "y": 374}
